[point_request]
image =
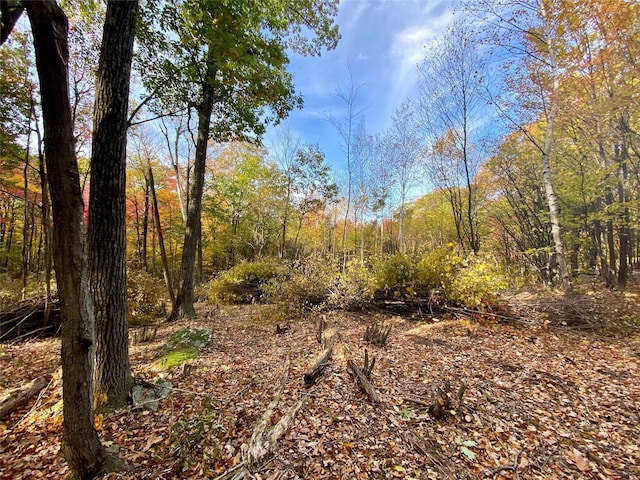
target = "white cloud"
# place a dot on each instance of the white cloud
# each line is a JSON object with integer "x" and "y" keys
{"x": 408, "y": 48}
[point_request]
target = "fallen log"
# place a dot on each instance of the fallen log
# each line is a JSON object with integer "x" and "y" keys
{"x": 322, "y": 361}
{"x": 363, "y": 376}
{"x": 19, "y": 396}
{"x": 264, "y": 439}
{"x": 258, "y": 445}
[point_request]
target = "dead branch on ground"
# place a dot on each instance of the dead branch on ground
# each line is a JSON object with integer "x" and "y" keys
{"x": 19, "y": 396}
{"x": 377, "y": 334}
{"x": 264, "y": 439}
{"x": 363, "y": 376}
{"x": 319, "y": 366}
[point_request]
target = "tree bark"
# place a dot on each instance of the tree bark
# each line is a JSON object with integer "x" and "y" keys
{"x": 317, "y": 369}
{"x": 145, "y": 228}
{"x": 107, "y": 258}
{"x": 546, "y": 164}
{"x": 185, "y": 297}
{"x": 45, "y": 213}
{"x": 80, "y": 443}
{"x": 163, "y": 253}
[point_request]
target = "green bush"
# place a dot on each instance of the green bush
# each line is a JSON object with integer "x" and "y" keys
{"x": 437, "y": 270}
{"x": 393, "y": 275}
{"x": 244, "y": 282}
{"x": 354, "y": 287}
{"x": 471, "y": 282}
{"x": 146, "y": 297}
{"x": 478, "y": 282}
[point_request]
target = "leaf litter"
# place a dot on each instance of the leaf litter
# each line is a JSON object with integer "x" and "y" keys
{"x": 536, "y": 404}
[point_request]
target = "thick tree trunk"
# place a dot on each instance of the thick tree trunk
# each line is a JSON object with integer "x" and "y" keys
{"x": 107, "y": 227}
{"x": 80, "y": 443}
{"x": 185, "y": 298}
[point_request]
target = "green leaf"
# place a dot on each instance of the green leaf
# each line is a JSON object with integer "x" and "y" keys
{"x": 468, "y": 453}
{"x": 470, "y": 443}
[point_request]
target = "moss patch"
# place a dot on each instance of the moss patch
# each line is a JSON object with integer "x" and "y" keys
{"x": 185, "y": 344}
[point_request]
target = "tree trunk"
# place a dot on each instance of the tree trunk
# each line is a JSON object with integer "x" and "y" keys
{"x": 623, "y": 231}
{"x": 80, "y": 443}
{"x": 163, "y": 253}
{"x": 185, "y": 298}
{"x": 107, "y": 209}
{"x": 25, "y": 220}
{"x": 46, "y": 229}
{"x": 145, "y": 227}
{"x": 546, "y": 164}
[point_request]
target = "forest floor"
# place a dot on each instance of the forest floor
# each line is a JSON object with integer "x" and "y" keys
{"x": 539, "y": 403}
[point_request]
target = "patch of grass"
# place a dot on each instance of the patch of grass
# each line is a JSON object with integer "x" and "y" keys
{"x": 178, "y": 357}
{"x": 184, "y": 344}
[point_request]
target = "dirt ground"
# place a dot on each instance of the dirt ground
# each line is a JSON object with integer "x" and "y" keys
{"x": 538, "y": 403}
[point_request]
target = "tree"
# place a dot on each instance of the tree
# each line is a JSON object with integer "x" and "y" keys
{"x": 228, "y": 59}
{"x": 363, "y": 160}
{"x": 243, "y": 204}
{"x": 598, "y": 117}
{"x": 404, "y": 158}
{"x": 285, "y": 152}
{"x": 307, "y": 182}
{"x": 311, "y": 184}
{"x": 81, "y": 446}
{"x": 107, "y": 209}
{"x": 451, "y": 104}
{"x": 529, "y": 32}
{"x": 346, "y": 130}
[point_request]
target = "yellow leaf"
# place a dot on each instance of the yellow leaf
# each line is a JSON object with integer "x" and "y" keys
{"x": 399, "y": 468}
{"x": 98, "y": 421}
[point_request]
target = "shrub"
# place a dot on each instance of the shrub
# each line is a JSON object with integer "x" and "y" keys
{"x": 437, "y": 270}
{"x": 393, "y": 275}
{"x": 354, "y": 287}
{"x": 243, "y": 283}
{"x": 472, "y": 282}
{"x": 146, "y": 297}
{"x": 307, "y": 283}
{"x": 478, "y": 282}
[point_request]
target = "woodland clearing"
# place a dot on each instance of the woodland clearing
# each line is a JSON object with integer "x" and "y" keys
{"x": 539, "y": 403}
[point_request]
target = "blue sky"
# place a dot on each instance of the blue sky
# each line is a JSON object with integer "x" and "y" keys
{"x": 382, "y": 43}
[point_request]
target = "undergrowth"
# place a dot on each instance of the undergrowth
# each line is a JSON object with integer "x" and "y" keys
{"x": 472, "y": 281}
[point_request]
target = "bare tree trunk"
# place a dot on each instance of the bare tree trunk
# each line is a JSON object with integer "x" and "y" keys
{"x": 546, "y": 164}
{"x": 145, "y": 226}
{"x": 45, "y": 213}
{"x": 80, "y": 443}
{"x": 163, "y": 253}
{"x": 185, "y": 297}
{"x": 25, "y": 221}
{"x": 107, "y": 209}
{"x": 623, "y": 233}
